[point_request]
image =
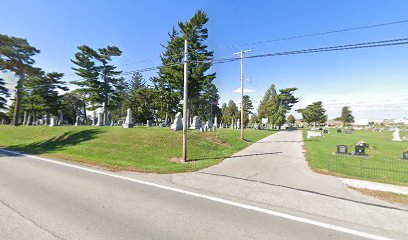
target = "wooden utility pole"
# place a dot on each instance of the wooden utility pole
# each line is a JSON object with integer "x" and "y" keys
{"x": 185, "y": 101}
{"x": 241, "y": 53}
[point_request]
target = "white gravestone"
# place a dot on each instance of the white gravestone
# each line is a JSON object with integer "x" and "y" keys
{"x": 52, "y": 122}
{"x": 128, "y": 122}
{"x": 196, "y": 123}
{"x": 311, "y": 134}
{"x": 77, "y": 121}
{"x": 178, "y": 122}
{"x": 396, "y": 135}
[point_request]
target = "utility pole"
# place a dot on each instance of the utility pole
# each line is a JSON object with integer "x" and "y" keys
{"x": 241, "y": 53}
{"x": 185, "y": 101}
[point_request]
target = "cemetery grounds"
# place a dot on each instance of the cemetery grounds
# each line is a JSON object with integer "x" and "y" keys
{"x": 142, "y": 149}
{"x": 383, "y": 163}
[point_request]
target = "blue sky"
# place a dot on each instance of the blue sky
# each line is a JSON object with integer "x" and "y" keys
{"x": 371, "y": 81}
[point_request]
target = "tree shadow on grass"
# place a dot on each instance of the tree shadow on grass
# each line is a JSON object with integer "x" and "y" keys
{"x": 67, "y": 139}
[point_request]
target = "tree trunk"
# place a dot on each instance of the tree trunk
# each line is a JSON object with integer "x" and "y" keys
{"x": 35, "y": 117}
{"x": 48, "y": 117}
{"x": 86, "y": 117}
{"x": 105, "y": 113}
{"x": 16, "y": 113}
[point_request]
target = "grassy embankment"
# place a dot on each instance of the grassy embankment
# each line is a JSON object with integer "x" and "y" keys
{"x": 136, "y": 149}
{"x": 383, "y": 164}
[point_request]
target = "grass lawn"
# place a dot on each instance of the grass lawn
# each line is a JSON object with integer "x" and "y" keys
{"x": 136, "y": 149}
{"x": 386, "y": 196}
{"x": 382, "y": 165}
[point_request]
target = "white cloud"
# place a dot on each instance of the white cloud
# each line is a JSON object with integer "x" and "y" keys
{"x": 364, "y": 108}
{"x": 246, "y": 90}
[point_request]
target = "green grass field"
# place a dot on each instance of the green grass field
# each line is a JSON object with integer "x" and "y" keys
{"x": 136, "y": 149}
{"x": 382, "y": 165}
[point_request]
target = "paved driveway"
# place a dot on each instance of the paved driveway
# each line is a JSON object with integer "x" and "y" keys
{"x": 275, "y": 172}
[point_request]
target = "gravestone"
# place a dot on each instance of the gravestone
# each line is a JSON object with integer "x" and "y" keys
{"x": 396, "y": 135}
{"x": 100, "y": 119}
{"x": 405, "y": 155}
{"x": 325, "y": 131}
{"x": 77, "y": 121}
{"x": 53, "y": 122}
{"x": 178, "y": 123}
{"x": 215, "y": 123}
{"x": 208, "y": 124}
{"x": 128, "y": 122}
{"x": 232, "y": 124}
{"x": 342, "y": 149}
{"x": 45, "y": 121}
{"x": 196, "y": 123}
{"x": 120, "y": 122}
{"x": 148, "y": 123}
{"x": 338, "y": 130}
{"x": 311, "y": 134}
{"x": 360, "y": 149}
{"x": 238, "y": 124}
{"x": 94, "y": 121}
{"x": 61, "y": 119}
{"x": 163, "y": 124}
{"x": 29, "y": 120}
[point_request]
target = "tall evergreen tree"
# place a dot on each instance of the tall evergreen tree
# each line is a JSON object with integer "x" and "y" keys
{"x": 346, "y": 116}
{"x": 275, "y": 106}
{"x": 170, "y": 77}
{"x": 100, "y": 81}
{"x": 266, "y": 104}
{"x": 248, "y": 107}
{"x": 4, "y": 93}
{"x": 16, "y": 56}
{"x": 43, "y": 93}
{"x": 230, "y": 112}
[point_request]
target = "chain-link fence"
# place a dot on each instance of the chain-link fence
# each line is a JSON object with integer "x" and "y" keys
{"x": 393, "y": 171}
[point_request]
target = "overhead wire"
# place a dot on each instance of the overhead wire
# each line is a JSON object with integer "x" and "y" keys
{"x": 372, "y": 44}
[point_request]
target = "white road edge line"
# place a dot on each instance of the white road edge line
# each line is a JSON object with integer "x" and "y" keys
{"x": 215, "y": 199}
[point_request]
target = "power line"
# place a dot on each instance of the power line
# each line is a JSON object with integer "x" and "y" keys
{"x": 315, "y": 34}
{"x": 383, "y": 43}
{"x": 284, "y": 39}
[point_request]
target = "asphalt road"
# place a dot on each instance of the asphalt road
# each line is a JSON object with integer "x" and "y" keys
{"x": 42, "y": 200}
{"x": 46, "y": 200}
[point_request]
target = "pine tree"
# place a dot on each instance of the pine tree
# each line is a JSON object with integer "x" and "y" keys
{"x": 4, "y": 93}
{"x": 43, "y": 94}
{"x": 170, "y": 77}
{"x": 16, "y": 56}
{"x": 266, "y": 105}
{"x": 346, "y": 116}
{"x": 248, "y": 107}
{"x": 99, "y": 81}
